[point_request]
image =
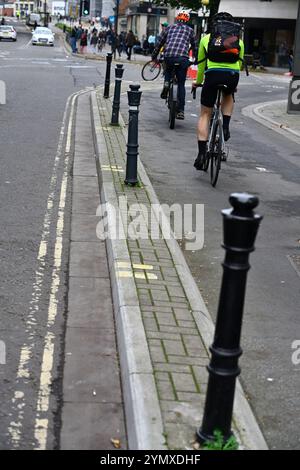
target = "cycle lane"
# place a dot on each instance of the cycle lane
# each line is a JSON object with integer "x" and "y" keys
{"x": 265, "y": 164}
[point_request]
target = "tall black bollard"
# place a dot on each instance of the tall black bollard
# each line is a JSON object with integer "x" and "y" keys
{"x": 116, "y": 103}
{"x": 134, "y": 99}
{"x": 107, "y": 75}
{"x": 240, "y": 226}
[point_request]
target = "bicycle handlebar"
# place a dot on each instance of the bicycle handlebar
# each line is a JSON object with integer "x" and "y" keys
{"x": 194, "y": 90}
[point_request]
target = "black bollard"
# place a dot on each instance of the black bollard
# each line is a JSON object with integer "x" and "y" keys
{"x": 116, "y": 103}
{"x": 134, "y": 99}
{"x": 240, "y": 226}
{"x": 107, "y": 75}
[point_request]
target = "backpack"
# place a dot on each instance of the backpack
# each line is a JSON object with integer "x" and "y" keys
{"x": 223, "y": 45}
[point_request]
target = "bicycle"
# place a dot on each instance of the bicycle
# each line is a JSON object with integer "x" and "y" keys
{"x": 216, "y": 149}
{"x": 172, "y": 99}
{"x": 150, "y": 72}
{"x": 152, "y": 69}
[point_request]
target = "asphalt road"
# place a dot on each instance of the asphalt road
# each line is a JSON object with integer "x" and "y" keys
{"x": 266, "y": 164}
{"x": 39, "y": 80}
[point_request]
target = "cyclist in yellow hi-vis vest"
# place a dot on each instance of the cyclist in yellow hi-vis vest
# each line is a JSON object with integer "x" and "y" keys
{"x": 220, "y": 57}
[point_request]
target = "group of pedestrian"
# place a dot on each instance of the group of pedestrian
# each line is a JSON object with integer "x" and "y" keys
{"x": 81, "y": 37}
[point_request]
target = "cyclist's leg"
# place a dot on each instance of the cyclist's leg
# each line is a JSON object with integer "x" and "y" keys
{"x": 168, "y": 75}
{"x": 202, "y": 134}
{"x": 208, "y": 98}
{"x": 181, "y": 78}
{"x": 231, "y": 80}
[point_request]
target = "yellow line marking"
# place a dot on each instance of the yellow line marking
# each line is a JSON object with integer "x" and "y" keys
{"x": 41, "y": 425}
{"x": 151, "y": 276}
{"x": 123, "y": 264}
{"x": 142, "y": 266}
{"x": 140, "y": 275}
{"x": 16, "y": 427}
{"x": 124, "y": 274}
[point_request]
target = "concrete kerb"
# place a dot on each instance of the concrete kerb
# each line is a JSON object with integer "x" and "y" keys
{"x": 254, "y": 112}
{"x": 142, "y": 410}
{"x": 245, "y": 422}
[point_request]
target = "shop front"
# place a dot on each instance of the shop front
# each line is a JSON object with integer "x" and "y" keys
{"x": 269, "y": 27}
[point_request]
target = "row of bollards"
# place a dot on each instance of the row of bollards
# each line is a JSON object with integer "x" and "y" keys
{"x": 134, "y": 99}
{"x": 240, "y": 226}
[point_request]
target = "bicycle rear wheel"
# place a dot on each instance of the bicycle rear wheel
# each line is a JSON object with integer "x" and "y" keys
{"x": 172, "y": 104}
{"x": 215, "y": 152}
{"x": 151, "y": 70}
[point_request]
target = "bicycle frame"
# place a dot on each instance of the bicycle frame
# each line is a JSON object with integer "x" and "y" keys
{"x": 217, "y": 117}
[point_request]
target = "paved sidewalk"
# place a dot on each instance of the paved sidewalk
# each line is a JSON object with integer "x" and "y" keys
{"x": 277, "y": 112}
{"x": 92, "y": 411}
{"x": 163, "y": 327}
{"x": 273, "y": 114}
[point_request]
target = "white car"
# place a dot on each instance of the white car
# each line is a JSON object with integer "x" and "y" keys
{"x": 42, "y": 36}
{"x": 7, "y": 32}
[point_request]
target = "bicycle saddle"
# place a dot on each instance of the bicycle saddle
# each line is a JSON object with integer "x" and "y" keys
{"x": 222, "y": 87}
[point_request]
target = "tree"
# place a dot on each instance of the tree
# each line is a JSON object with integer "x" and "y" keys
{"x": 193, "y": 4}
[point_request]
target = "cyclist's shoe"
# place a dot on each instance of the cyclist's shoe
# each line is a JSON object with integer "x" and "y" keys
{"x": 165, "y": 91}
{"x": 199, "y": 162}
{"x": 180, "y": 115}
{"x": 226, "y": 133}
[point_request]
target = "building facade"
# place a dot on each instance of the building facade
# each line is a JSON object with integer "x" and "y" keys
{"x": 269, "y": 27}
{"x": 144, "y": 18}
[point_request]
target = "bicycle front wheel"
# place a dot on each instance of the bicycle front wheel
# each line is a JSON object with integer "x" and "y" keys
{"x": 151, "y": 70}
{"x": 215, "y": 153}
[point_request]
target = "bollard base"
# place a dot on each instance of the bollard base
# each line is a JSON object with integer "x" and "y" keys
{"x": 203, "y": 437}
{"x": 131, "y": 182}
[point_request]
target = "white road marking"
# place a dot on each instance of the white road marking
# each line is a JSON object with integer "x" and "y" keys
{"x": 41, "y": 423}
{"x": 24, "y": 46}
{"x": 23, "y": 372}
{"x": 262, "y": 170}
{"x": 80, "y": 66}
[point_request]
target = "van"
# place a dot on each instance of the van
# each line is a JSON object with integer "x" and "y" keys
{"x": 32, "y": 18}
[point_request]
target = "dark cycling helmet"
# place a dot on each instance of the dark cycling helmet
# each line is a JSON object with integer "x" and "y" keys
{"x": 223, "y": 15}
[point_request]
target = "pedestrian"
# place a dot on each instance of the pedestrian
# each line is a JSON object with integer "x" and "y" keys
{"x": 79, "y": 32}
{"x": 130, "y": 41}
{"x": 73, "y": 37}
{"x": 291, "y": 61}
{"x": 120, "y": 44}
{"x": 101, "y": 41}
{"x": 282, "y": 54}
{"x": 151, "y": 42}
{"x": 94, "y": 41}
{"x": 83, "y": 41}
{"x": 35, "y": 25}
{"x": 113, "y": 42}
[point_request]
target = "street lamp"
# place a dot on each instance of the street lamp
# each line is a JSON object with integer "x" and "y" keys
{"x": 203, "y": 13}
{"x": 45, "y": 13}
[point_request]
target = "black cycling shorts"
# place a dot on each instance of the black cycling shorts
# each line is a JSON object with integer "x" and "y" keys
{"x": 211, "y": 82}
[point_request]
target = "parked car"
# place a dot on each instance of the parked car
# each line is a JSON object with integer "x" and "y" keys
{"x": 42, "y": 36}
{"x": 8, "y": 32}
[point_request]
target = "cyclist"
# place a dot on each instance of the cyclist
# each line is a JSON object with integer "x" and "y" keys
{"x": 216, "y": 73}
{"x": 176, "y": 40}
